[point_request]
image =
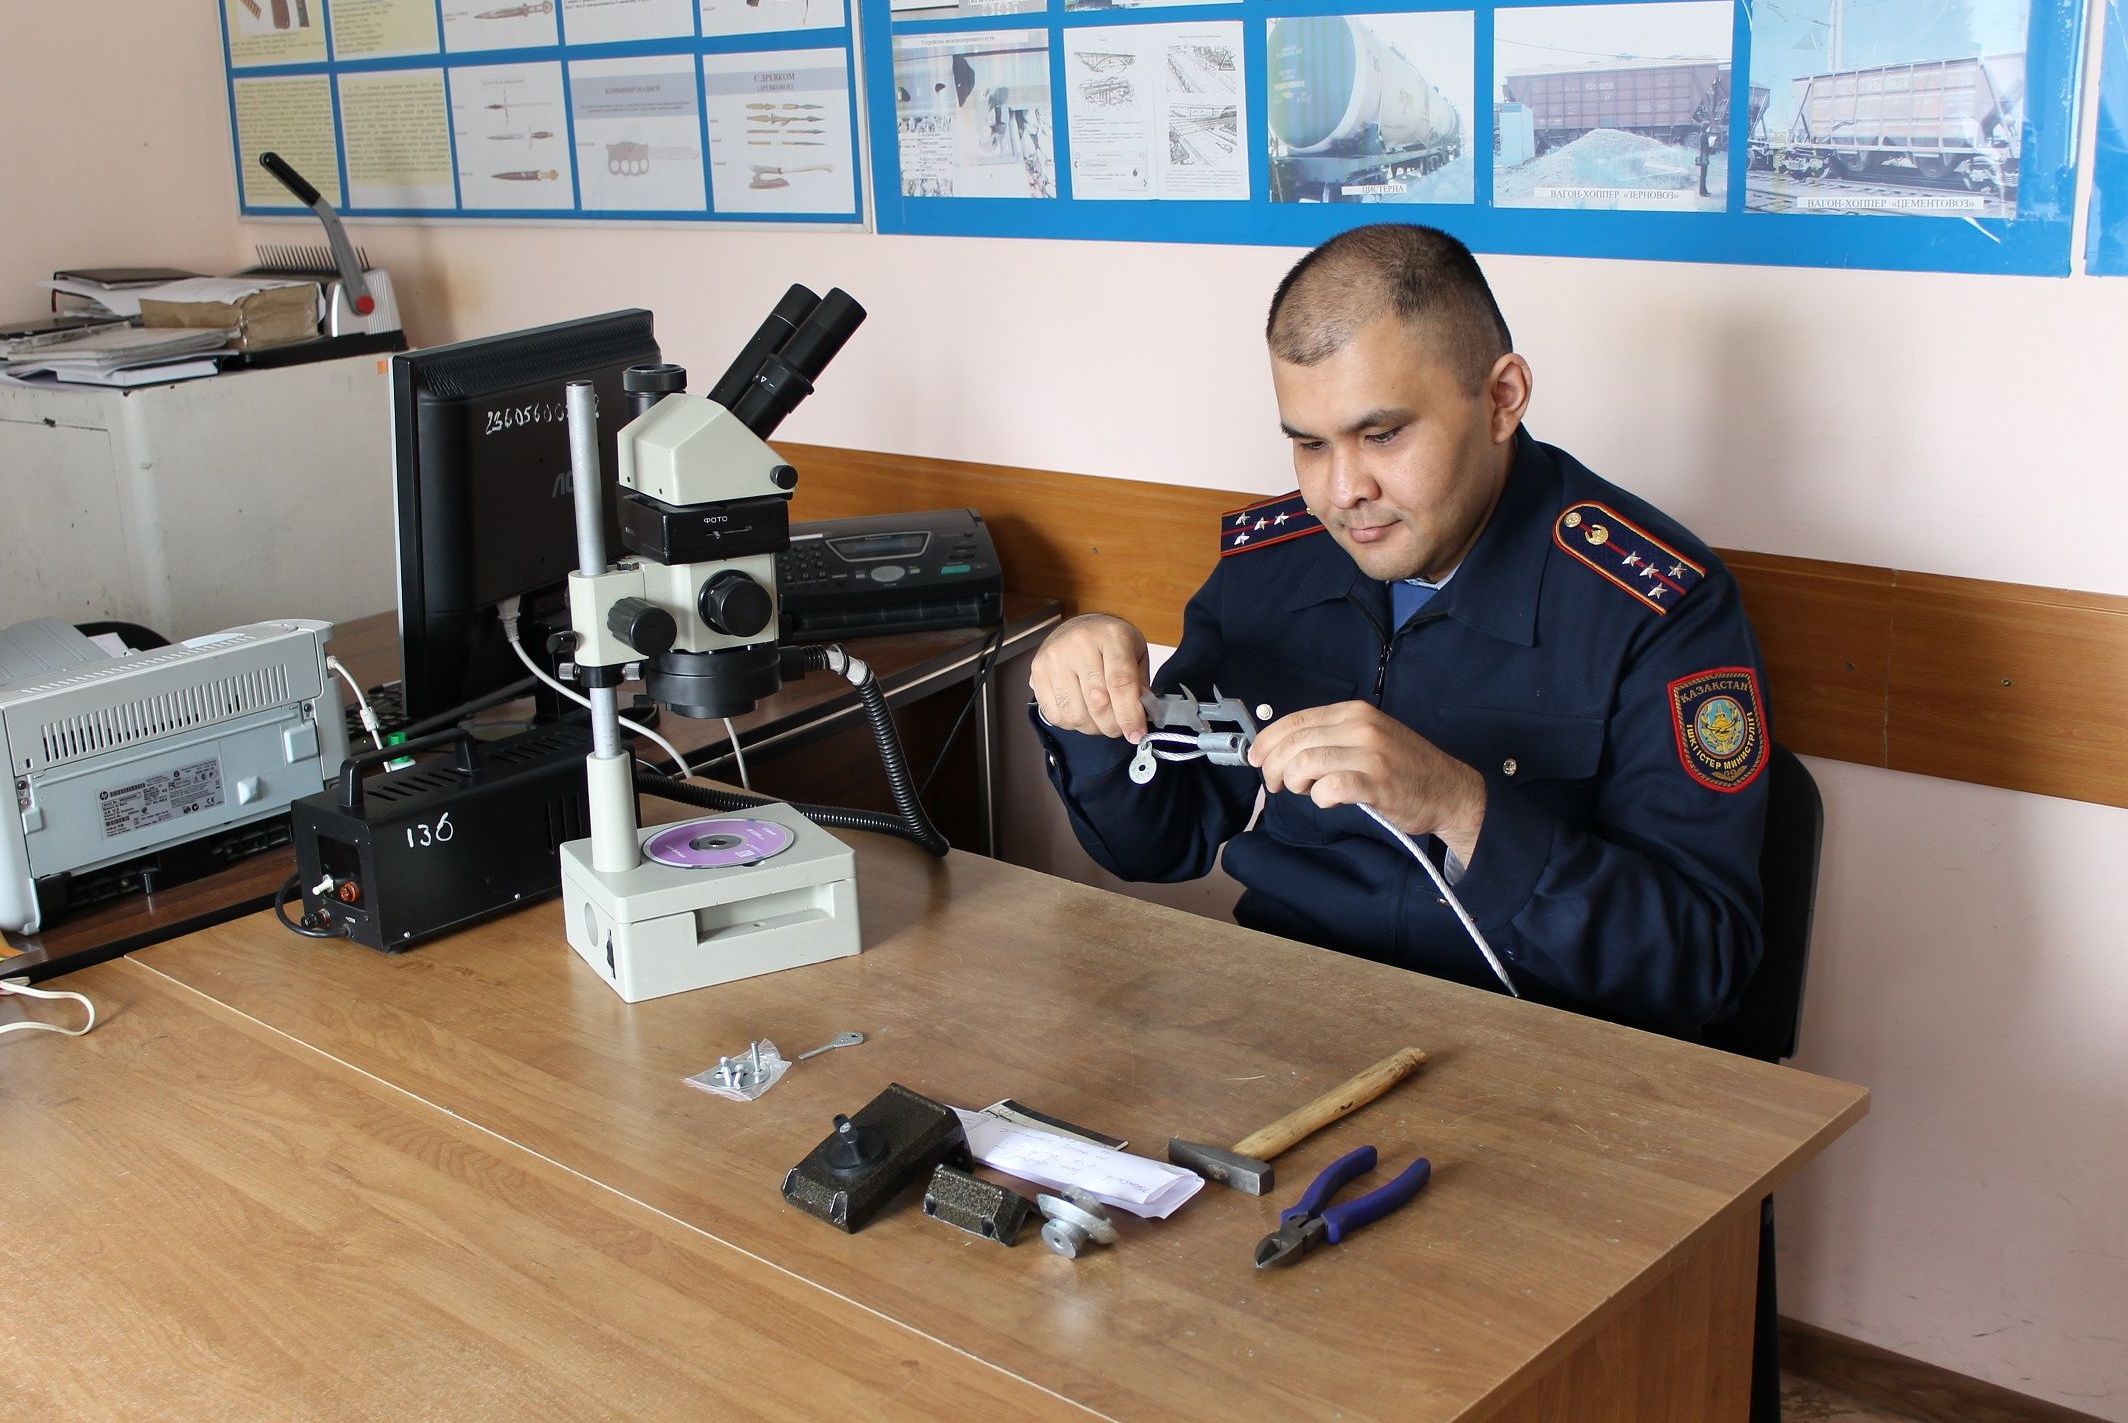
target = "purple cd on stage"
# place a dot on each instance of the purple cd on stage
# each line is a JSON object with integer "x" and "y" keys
{"x": 719, "y": 844}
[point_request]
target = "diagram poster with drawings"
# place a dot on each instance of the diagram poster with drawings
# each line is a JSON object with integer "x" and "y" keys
{"x": 692, "y": 110}
{"x": 972, "y": 112}
{"x": 775, "y": 140}
{"x": 1932, "y": 135}
{"x": 1156, "y": 111}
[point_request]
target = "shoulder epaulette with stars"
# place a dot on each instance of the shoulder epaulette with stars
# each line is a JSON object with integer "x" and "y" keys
{"x": 1626, "y": 554}
{"x": 1260, "y": 525}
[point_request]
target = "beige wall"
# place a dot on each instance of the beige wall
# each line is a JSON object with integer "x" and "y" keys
{"x": 1969, "y": 966}
{"x": 116, "y": 148}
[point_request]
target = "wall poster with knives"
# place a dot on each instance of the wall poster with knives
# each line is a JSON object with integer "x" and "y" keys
{"x": 647, "y": 110}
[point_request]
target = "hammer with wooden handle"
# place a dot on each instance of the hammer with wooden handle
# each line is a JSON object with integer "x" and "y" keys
{"x": 1247, "y": 1166}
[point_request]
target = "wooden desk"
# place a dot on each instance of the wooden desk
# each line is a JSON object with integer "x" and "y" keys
{"x": 910, "y": 666}
{"x": 1585, "y": 1252}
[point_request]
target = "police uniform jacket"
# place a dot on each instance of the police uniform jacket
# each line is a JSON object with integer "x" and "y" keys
{"x": 1589, "y": 657}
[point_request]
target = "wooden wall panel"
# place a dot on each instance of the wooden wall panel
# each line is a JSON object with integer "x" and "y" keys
{"x": 2013, "y": 686}
{"x": 1999, "y": 684}
{"x": 1825, "y": 630}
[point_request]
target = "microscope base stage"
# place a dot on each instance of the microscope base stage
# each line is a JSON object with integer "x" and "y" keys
{"x": 660, "y": 928}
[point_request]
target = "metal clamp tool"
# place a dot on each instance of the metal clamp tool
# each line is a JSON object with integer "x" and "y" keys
{"x": 1190, "y": 735}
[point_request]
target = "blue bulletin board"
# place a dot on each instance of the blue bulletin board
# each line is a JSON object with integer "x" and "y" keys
{"x": 1925, "y": 135}
{"x": 666, "y": 110}
{"x": 2106, "y": 240}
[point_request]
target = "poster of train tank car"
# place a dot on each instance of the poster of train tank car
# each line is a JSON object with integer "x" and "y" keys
{"x": 1155, "y": 111}
{"x": 973, "y": 117}
{"x": 1613, "y": 107}
{"x": 1907, "y": 110}
{"x": 1370, "y": 108}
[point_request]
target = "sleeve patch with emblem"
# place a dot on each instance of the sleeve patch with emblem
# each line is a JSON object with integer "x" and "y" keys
{"x": 1260, "y": 525}
{"x": 1721, "y": 734}
{"x": 1626, "y": 554}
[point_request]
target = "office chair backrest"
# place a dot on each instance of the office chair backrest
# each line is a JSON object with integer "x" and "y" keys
{"x": 1766, "y": 1023}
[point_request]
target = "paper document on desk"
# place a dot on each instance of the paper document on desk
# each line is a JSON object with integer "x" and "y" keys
{"x": 1137, "y": 1184}
{"x": 113, "y": 347}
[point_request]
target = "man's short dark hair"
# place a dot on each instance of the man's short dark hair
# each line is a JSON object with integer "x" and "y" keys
{"x": 1419, "y": 273}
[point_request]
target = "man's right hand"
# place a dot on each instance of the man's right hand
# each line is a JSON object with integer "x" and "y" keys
{"x": 1091, "y": 675}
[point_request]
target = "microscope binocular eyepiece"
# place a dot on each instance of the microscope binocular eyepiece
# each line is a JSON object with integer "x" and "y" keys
{"x": 784, "y": 376}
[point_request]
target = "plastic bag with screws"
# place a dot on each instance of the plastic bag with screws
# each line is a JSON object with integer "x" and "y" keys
{"x": 744, "y": 1077}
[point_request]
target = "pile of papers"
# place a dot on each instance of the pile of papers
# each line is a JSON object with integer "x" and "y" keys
{"x": 182, "y": 328}
{"x": 126, "y": 356}
{"x": 1050, "y": 1154}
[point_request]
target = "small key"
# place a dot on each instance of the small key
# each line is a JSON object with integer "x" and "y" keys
{"x": 839, "y": 1040}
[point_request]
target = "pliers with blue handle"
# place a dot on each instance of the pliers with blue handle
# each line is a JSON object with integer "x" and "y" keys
{"x": 1314, "y": 1220}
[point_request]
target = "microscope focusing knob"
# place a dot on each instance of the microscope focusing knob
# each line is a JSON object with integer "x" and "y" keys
{"x": 783, "y": 476}
{"x": 643, "y": 625}
{"x": 735, "y": 605}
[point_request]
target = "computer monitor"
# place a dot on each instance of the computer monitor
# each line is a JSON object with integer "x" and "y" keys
{"x": 480, "y": 457}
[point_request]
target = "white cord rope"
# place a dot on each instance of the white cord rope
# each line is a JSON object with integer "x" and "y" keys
{"x": 1470, "y": 925}
{"x": 509, "y": 630}
{"x": 31, "y": 1025}
{"x": 1189, "y": 750}
{"x": 369, "y": 718}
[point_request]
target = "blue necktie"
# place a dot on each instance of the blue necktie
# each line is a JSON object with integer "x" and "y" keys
{"x": 1407, "y": 596}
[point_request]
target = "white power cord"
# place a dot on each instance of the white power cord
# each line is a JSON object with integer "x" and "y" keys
{"x": 738, "y": 754}
{"x": 362, "y": 708}
{"x": 31, "y": 1025}
{"x": 509, "y": 631}
{"x": 1470, "y": 925}
{"x": 1184, "y": 746}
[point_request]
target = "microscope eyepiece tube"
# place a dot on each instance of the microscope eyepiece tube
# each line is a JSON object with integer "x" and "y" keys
{"x": 824, "y": 334}
{"x": 775, "y": 331}
{"x": 787, "y": 377}
{"x": 645, "y": 386}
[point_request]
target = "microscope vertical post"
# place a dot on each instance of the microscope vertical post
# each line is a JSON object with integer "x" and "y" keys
{"x": 614, "y": 846}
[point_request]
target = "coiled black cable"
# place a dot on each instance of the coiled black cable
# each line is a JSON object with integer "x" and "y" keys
{"x": 910, "y": 821}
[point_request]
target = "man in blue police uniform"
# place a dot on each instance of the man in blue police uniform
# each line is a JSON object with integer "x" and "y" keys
{"x": 1468, "y": 631}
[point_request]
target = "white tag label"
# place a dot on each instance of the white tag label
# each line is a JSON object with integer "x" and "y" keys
{"x": 161, "y": 797}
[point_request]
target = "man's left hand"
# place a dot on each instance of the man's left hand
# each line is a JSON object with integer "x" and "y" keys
{"x": 1353, "y": 752}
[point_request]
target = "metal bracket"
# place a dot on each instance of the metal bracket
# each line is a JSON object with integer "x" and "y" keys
{"x": 977, "y": 1206}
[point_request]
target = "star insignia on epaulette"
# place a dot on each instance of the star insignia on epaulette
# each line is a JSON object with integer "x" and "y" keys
{"x": 1628, "y": 556}
{"x": 1265, "y": 524}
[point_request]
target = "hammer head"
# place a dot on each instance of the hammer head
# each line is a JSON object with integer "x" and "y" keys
{"x": 1245, "y": 1174}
